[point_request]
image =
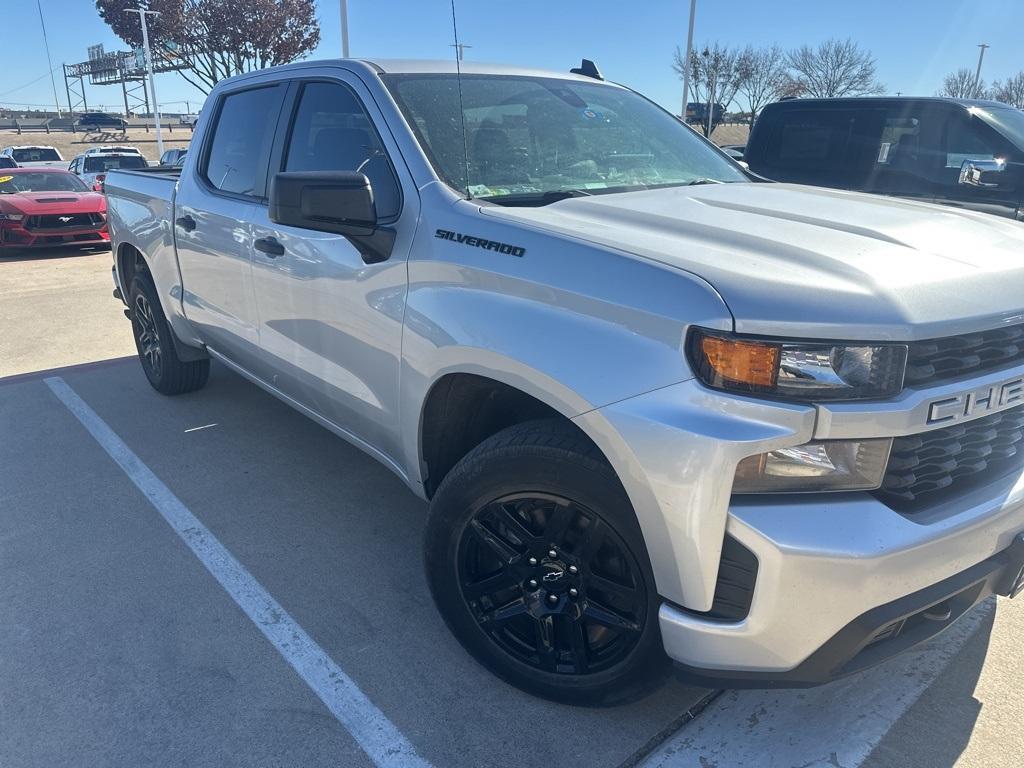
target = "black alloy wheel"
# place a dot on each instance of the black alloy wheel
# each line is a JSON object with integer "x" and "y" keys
{"x": 551, "y": 584}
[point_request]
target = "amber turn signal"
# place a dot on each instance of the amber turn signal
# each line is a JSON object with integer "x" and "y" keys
{"x": 741, "y": 362}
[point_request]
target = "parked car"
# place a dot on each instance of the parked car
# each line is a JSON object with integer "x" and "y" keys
{"x": 93, "y": 168}
{"x": 659, "y": 407}
{"x": 99, "y": 120}
{"x": 46, "y": 207}
{"x": 172, "y": 156}
{"x": 967, "y": 154}
{"x": 697, "y": 113}
{"x": 34, "y": 156}
{"x": 113, "y": 149}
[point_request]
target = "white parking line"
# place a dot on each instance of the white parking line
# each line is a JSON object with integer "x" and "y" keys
{"x": 835, "y": 725}
{"x": 377, "y": 735}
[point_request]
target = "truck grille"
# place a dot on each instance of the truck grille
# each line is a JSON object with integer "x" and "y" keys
{"x": 59, "y": 221}
{"x": 953, "y": 458}
{"x": 938, "y": 360}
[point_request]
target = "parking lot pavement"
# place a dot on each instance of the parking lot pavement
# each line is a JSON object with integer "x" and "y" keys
{"x": 56, "y": 310}
{"x": 121, "y": 650}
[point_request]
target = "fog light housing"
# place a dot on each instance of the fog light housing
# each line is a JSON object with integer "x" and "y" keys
{"x": 823, "y": 465}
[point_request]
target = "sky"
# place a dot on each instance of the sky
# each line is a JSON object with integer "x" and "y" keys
{"x": 915, "y": 42}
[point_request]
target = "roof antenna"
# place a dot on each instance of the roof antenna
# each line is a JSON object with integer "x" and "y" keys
{"x": 462, "y": 108}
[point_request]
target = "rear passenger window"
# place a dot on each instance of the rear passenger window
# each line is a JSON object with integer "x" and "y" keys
{"x": 240, "y": 149}
{"x": 332, "y": 132}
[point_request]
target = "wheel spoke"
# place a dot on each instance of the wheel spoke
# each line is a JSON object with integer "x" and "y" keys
{"x": 544, "y": 632}
{"x": 609, "y": 587}
{"x": 502, "y": 551}
{"x": 558, "y": 522}
{"x": 594, "y": 538}
{"x": 608, "y": 617}
{"x": 499, "y": 616}
{"x": 488, "y": 585}
{"x": 508, "y": 515}
{"x": 578, "y": 643}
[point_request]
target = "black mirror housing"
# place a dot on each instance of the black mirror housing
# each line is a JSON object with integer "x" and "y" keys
{"x": 326, "y": 201}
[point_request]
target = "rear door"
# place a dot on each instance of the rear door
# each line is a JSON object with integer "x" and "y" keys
{"x": 331, "y": 324}
{"x": 213, "y": 207}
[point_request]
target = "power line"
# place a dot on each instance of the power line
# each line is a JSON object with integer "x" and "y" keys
{"x": 26, "y": 85}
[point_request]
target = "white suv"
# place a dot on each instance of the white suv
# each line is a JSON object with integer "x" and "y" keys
{"x": 92, "y": 168}
{"x": 33, "y": 156}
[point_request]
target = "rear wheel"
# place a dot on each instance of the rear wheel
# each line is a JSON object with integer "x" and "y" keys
{"x": 166, "y": 372}
{"x": 536, "y": 561}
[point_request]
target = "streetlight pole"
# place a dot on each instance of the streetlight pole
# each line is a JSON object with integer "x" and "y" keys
{"x": 46, "y": 44}
{"x": 686, "y": 60}
{"x": 460, "y": 49}
{"x": 977, "y": 74}
{"x": 344, "y": 28}
{"x": 149, "y": 71}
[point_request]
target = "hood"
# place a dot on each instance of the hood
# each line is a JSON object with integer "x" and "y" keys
{"x": 33, "y": 203}
{"x": 809, "y": 262}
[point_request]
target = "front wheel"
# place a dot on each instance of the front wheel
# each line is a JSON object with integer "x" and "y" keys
{"x": 536, "y": 561}
{"x": 166, "y": 372}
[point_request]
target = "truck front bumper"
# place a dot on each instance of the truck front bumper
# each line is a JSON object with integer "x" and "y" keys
{"x": 842, "y": 580}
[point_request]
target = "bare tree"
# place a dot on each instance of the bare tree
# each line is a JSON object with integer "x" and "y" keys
{"x": 764, "y": 77}
{"x": 834, "y": 68}
{"x": 960, "y": 85}
{"x": 1010, "y": 91}
{"x": 715, "y": 75}
{"x": 219, "y": 38}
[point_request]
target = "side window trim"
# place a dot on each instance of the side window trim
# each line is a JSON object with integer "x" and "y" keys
{"x": 286, "y": 128}
{"x": 205, "y": 149}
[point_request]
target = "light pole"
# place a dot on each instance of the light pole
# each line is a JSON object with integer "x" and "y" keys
{"x": 460, "y": 49}
{"x": 686, "y": 61}
{"x": 977, "y": 74}
{"x": 149, "y": 71}
{"x": 344, "y": 28}
{"x": 46, "y": 44}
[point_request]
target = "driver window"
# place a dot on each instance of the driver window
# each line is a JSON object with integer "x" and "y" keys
{"x": 332, "y": 132}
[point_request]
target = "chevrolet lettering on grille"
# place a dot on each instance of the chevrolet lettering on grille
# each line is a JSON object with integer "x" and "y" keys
{"x": 998, "y": 397}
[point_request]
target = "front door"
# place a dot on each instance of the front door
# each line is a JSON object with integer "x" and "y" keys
{"x": 331, "y": 324}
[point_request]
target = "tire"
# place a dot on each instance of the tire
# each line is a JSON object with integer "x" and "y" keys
{"x": 167, "y": 373}
{"x": 535, "y": 559}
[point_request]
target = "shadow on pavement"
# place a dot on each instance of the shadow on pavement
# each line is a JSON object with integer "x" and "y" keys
{"x": 936, "y": 730}
{"x": 14, "y": 255}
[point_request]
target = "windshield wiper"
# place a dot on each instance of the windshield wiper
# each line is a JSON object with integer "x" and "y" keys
{"x": 703, "y": 180}
{"x": 535, "y": 198}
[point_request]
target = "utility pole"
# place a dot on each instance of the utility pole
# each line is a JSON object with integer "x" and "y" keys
{"x": 46, "y": 44}
{"x": 149, "y": 71}
{"x": 344, "y": 28}
{"x": 461, "y": 49}
{"x": 686, "y": 60}
{"x": 977, "y": 74}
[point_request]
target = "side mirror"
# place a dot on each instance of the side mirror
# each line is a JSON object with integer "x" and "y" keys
{"x": 325, "y": 201}
{"x": 973, "y": 173}
{"x": 332, "y": 201}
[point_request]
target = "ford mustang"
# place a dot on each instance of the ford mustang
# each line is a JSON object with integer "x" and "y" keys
{"x": 49, "y": 207}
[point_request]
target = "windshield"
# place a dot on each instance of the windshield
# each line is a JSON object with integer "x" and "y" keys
{"x": 1008, "y": 121}
{"x": 101, "y": 163}
{"x": 35, "y": 155}
{"x": 41, "y": 181}
{"x": 533, "y": 136}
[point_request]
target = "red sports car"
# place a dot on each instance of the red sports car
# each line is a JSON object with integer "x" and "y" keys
{"x": 42, "y": 207}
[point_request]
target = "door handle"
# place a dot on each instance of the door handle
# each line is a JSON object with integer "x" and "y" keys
{"x": 269, "y": 246}
{"x": 186, "y": 222}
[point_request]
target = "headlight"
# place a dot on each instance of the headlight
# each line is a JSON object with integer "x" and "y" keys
{"x": 797, "y": 370}
{"x": 826, "y": 465}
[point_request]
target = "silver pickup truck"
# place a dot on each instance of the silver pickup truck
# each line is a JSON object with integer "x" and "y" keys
{"x": 661, "y": 409}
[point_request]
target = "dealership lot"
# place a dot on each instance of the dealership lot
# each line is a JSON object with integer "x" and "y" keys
{"x": 133, "y": 631}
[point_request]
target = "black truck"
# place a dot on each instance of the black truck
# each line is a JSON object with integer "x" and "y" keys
{"x": 964, "y": 153}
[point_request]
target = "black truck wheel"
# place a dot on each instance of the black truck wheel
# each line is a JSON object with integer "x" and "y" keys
{"x": 169, "y": 374}
{"x": 536, "y": 561}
